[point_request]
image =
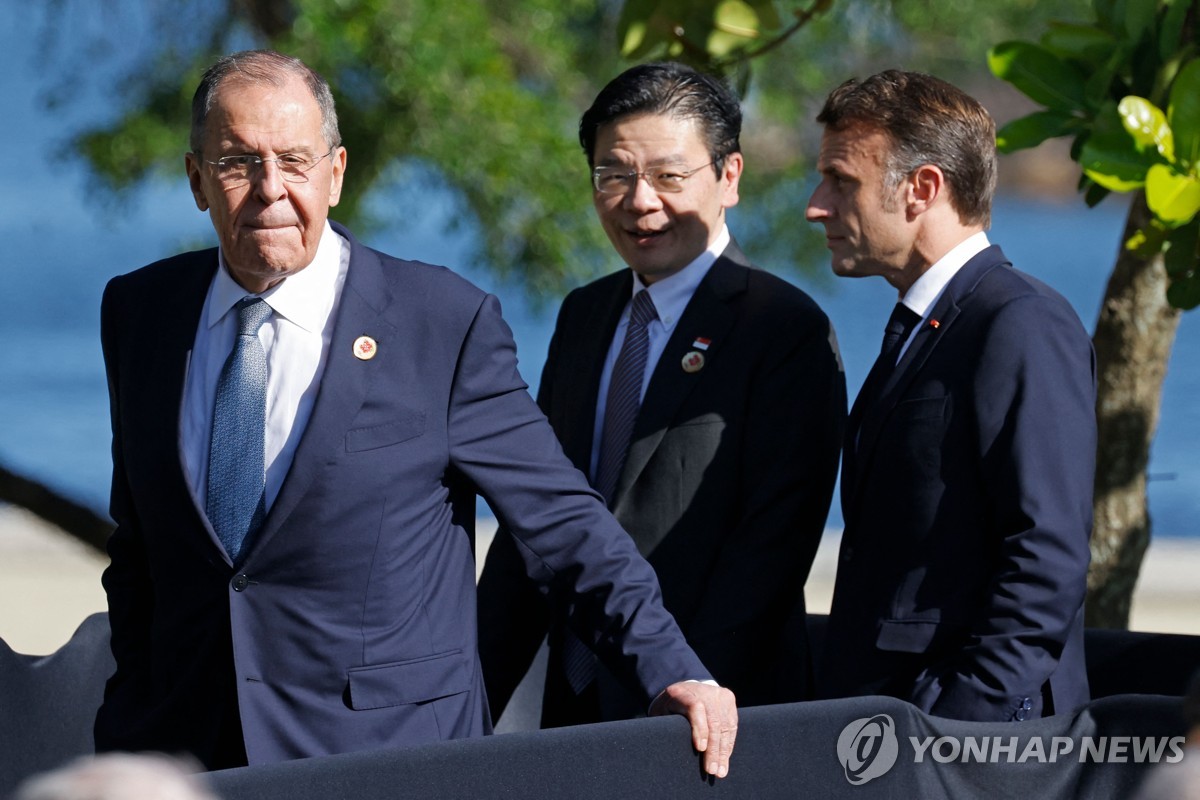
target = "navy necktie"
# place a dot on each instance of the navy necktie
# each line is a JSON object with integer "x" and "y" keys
{"x": 620, "y": 412}
{"x": 624, "y": 396}
{"x": 899, "y": 326}
{"x": 236, "y": 473}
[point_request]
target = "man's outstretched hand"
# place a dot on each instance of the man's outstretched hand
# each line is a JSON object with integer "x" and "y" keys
{"x": 712, "y": 712}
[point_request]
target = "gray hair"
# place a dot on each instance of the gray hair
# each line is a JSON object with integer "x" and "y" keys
{"x": 261, "y": 66}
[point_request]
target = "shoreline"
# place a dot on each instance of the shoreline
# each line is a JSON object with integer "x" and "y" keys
{"x": 50, "y": 582}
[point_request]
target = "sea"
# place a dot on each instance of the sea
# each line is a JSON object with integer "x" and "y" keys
{"x": 60, "y": 242}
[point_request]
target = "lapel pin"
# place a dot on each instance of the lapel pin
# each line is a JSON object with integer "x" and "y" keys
{"x": 693, "y": 361}
{"x": 701, "y": 343}
{"x": 933, "y": 323}
{"x": 365, "y": 348}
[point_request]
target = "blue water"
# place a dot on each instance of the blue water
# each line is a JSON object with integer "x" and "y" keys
{"x": 58, "y": 247}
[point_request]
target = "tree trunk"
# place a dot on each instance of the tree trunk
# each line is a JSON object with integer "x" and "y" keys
{"x": 1133, "y": 339}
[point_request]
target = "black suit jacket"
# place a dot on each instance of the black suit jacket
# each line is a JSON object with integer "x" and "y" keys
{"x": 725, "y": 488}
{"x": 968, "y": 507}
{"x": 349, "y": 624}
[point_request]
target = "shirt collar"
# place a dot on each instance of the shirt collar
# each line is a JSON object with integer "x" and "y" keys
{"x": 672, "y": 293}
{"x": 921, "y": 296}
{"x": 302, "y": 298}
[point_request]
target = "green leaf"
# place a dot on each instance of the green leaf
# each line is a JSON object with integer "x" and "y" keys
{"x": 1099, "y": 87}
{"x": 1148, "y": 241}
{"x": 735, "y": 24}
{"x": 1039, "y": 74}
{"x": 1174, "y": 198}
{"x": 636, "y": 28}
{"x": 768, "y": 15}
{"x": 1139, "y": 18}
{"x": 1184, "y": 292}
{"x": 1183, "y": 113}
{"x": 1147, "y": 124}
{"x": 1085, "y": 43}
{"x": 1183, "y": 249}
{"x": 1111, "y": 158}
{"x": 1032, "y": 130}
{"x": 1170, "y": 34}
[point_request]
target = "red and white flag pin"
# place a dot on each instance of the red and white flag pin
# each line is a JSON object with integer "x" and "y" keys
{"x": 701, "y": 343}
{"x": 365, "y": 348}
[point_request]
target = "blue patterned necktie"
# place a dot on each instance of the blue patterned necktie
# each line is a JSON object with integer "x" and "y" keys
{"x": 624, "y": 396}
{"x": 236, "y": 473}
{"x": 620, "y": 412}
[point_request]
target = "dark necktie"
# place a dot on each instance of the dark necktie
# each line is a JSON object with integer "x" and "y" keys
{"x": 620, "y": 412}
{"x": 899, "y": 326}
{"x": 236, "y": 472}
{"x": 624, "y": 396}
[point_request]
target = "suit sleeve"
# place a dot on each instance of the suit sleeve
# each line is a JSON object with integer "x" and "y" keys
{"x": 793, "y": 428}
{"x": 126, "y": 580}
{"x": 1034, "y": 398}
{"x": 567, "y": 540}
{"x": 513, "y": 614}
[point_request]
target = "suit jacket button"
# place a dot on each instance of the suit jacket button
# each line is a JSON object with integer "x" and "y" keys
{"x": 240, "y": 583}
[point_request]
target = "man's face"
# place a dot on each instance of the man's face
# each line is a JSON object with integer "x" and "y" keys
{"x": 659, "y": 233}
{"x": 866, "y": 226}
{"x": 269, "y": 227}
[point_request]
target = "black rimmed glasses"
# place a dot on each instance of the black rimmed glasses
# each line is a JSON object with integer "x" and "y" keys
{"x": 236, "y": 170}
{"x": 665, "y": 179}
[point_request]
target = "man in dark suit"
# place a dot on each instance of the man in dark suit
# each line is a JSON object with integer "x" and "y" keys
{"x": 969, "y": 453}
{"x": 300, "y": 427}
{"x": 724, "y": 472}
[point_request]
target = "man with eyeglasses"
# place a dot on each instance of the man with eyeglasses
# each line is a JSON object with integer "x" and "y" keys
{"x": 300, "y": 428}
{"x": 709, "y": 417}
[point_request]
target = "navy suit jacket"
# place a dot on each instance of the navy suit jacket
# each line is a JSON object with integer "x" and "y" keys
{"x": 725, "y": 489}
{"x": 968, "y": 506}
{"x": 350, "y": 624}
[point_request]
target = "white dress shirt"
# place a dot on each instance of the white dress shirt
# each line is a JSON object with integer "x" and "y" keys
{"x": 671, "y": 296}
{"x": 928, "y": 288}
{"x": 296, "y": 341}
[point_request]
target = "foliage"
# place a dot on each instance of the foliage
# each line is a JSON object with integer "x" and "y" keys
{"x": 1104, "y": 84}
{"x": 480, "y": 101}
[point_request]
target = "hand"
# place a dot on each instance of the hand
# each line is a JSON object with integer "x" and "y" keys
{"x": 712, "y": 712}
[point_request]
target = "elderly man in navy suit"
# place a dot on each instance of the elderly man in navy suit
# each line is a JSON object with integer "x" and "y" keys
{"x": 300, "y": 428}
{"x": 969, "y": 453}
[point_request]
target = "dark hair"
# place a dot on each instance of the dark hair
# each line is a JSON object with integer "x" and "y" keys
{"x": 927, "y": 121}
{"x": 261, "y": 66}
{"x": 668, "y": 88}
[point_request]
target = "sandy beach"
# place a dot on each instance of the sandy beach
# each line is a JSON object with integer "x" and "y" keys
{"x": 49, "y": 582}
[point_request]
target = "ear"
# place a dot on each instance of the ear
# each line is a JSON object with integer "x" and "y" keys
{"x": 339, "y": 171}
{"x": 730, "y": 175}
{"x": 192, "y": 164}
{"x": 925, "y": 186}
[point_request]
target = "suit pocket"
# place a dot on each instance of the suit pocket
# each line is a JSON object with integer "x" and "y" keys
{"x": 418, "y": 680}
{"x": 408, "y": 425}
{"x": 907, "y": 636}
{"x": 921, "y": 408}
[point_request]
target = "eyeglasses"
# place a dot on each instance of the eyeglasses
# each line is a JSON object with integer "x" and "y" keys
{"x": 236, "y": 170}
{"x": 618, "y": 180}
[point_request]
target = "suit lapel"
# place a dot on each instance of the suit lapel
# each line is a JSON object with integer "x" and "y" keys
{"x": 945, "y": 311}
{"x": 709, "y": 314}
{"x": 344, "y": 383}
{"x": 587, "y": 355}
{"x": 174, "y": 327}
